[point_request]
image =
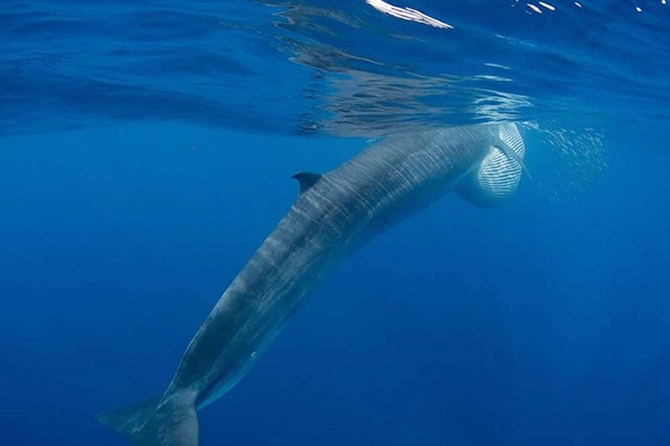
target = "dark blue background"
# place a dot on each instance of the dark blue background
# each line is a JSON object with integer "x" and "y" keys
{"x": 538, "y": 321}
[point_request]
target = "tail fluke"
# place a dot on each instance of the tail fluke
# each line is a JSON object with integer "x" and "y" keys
{"x": 172, "y": 422}
{"x": 130, "y": 419}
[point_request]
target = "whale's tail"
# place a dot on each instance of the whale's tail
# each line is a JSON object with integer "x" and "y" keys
{"x": 156, "y": 422}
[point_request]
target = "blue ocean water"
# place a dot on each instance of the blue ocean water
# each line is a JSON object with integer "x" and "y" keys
{"x": 146, "y": 150}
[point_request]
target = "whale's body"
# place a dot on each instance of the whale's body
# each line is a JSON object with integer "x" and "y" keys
{"x": 334, "y": 214}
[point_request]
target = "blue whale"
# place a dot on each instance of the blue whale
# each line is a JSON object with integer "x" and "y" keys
{"x": 334, "y": 214}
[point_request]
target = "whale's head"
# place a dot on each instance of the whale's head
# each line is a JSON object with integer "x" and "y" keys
{"x": 497, "y": 176}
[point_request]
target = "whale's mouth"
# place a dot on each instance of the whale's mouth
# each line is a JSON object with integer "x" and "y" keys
{"x": 498, "y": 174}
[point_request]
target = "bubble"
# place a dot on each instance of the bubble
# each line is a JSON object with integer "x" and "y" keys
{"x": 566, "y": 162}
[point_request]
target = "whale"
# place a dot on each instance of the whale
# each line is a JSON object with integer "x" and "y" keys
{"x": 334, "y": 214}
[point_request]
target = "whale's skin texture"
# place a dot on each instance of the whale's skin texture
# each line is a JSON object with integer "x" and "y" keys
{"x": 334, "y": 214}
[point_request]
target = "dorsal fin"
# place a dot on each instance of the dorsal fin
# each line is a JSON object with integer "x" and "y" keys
{"x": 306, "y": 179}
